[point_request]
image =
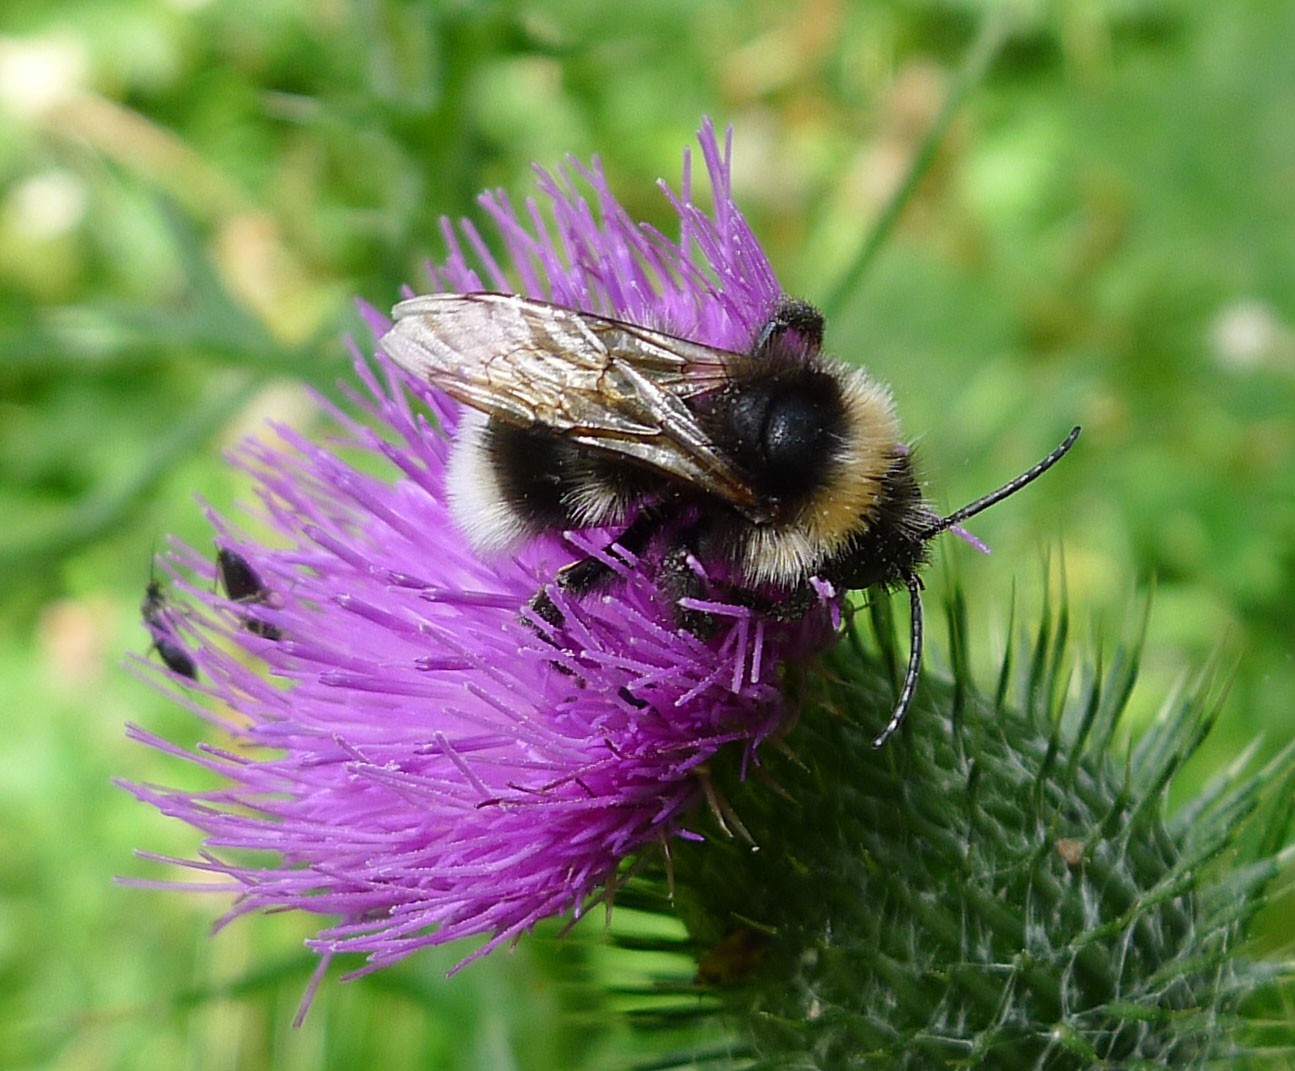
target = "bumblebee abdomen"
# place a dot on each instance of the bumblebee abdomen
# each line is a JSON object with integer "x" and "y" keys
{"x": 508, "y": 483}
{"x": 534, "y": 469}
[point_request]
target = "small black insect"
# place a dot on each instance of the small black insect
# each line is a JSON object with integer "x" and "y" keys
{"x": 243, "y": 585}
{"x": 157, "y": 619}
{"x": 773, "y": 466}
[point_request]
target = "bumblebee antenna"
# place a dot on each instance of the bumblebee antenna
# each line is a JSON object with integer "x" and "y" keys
{"x": 914, "y": 585}
{"x": 1009, "y": 488}
{"x": 914, "y": 662}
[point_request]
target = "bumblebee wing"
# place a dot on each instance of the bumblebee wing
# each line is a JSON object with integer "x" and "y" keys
{"x": 610, "y": 386}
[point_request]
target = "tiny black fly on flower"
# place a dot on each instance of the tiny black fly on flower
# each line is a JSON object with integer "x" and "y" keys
{"x": 776, "y": 464}
{"x": 157, "y": 614}
{"x": 243, "y": 585}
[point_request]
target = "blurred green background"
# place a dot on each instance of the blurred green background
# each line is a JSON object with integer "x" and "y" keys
{"x": 191, "y": 194}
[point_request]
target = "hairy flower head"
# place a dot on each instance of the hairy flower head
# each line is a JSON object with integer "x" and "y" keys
{"x": 407, "y": 749}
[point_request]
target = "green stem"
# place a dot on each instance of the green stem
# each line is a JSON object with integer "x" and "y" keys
{"x": 994, "y": 30}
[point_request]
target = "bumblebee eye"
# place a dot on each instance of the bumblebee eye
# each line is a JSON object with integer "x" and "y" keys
{"x": 800, "y": 428}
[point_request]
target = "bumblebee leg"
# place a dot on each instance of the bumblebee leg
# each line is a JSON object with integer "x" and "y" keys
{"x": 545, "y": 609}
{"x": 678, "y": 580}
{"x": 790, "y": 607}
{"x": 588, "y": 574}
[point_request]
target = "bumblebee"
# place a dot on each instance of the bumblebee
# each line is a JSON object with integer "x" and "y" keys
{"x": 771, "y": 467}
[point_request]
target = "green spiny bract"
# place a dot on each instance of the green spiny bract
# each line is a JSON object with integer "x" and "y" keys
{"x": 1002, "y": 887}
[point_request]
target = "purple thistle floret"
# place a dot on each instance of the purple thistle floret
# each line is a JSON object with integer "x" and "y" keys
{"x": 415, "y": 753}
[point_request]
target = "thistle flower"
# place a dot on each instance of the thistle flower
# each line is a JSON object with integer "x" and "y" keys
{"x": 406, "y": 751}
